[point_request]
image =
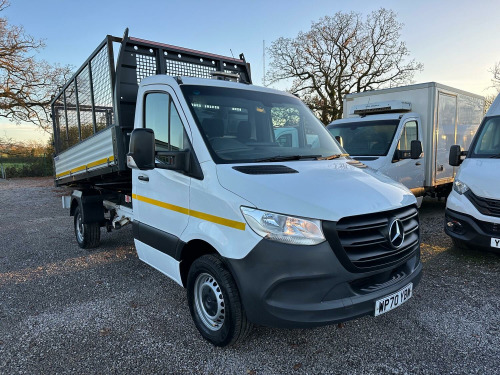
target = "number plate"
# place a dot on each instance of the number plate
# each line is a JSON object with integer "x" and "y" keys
{"x": 495, "y": 242}
{"x": 394, "y": 300}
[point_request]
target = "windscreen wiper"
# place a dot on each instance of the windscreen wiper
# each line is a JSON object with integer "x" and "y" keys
{"x": 495, "y": 156}
{"x": 287, "y": 158}
{"x": 334, "y": 156}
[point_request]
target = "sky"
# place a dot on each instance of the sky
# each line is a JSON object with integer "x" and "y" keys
{"x": 457, "y": 41}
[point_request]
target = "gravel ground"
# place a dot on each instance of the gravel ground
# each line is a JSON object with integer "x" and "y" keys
{"x": 66, "y": 310}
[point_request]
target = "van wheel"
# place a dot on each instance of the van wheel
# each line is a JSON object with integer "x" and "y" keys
{"x": 214, "y": 302}
{"x": 87, "y": 235}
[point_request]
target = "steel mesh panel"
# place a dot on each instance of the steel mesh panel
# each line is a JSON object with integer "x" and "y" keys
{"x": 85, "y": 103}
{"x": 101, "y": 82}
{"x": 146, "y": 66}
{"x": 73, "y": 132}
{"x": 60, "y": 121}
{"x": 182, "y": 68}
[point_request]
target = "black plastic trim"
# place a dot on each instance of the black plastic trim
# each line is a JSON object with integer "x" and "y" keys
{"x": 162, "y": 241}
{"x": 293, "y": 286}
{"x": 477, "y": 233}
{"x": 264, "y": 169}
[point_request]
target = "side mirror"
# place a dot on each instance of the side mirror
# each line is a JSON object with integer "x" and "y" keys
{"x": 416, "y": 149}
{"x": 455, "y": 155}
{"x": 142, "y": 149}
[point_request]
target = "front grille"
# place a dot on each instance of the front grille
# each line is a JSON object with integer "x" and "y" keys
{"x": 487, "y": 206}
{"x": 361, "y": 242}
{"x": 489, "y": 228}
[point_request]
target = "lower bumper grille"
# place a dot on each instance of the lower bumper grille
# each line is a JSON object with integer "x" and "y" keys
{"x": 369, "y": 242}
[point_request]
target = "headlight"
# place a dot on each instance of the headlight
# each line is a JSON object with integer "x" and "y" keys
{"x": 460, "y": 187}
{"x": 282, "y": 228}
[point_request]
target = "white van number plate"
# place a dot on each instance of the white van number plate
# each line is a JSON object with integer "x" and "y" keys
{"x": 394, "y": 300}
{"x": 495, "y": 242}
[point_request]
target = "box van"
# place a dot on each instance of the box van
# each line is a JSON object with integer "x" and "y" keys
{"x": 259, "y": 230}
{"x": 473, "y": 207}
{"x": 406, "y": 132}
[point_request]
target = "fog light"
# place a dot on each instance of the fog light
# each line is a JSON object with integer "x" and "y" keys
{"x": 455, "y": 226}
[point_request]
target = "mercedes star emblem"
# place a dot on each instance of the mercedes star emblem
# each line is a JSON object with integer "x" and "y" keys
{"x": 396, "y": 233}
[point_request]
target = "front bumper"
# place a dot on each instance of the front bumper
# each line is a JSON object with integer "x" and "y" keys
{"x": 475, "y": 232}
{"x": 291, "y": 286}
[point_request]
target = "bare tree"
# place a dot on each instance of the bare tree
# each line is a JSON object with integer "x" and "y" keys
{"x": 9, "y": 147}
{"x": 495, "y": 80}
{"x": 342, "y": 54}
{"x": 27, "y": 85}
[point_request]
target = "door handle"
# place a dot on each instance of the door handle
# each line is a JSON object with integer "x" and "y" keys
{"x": 143, "y": 178}
{"x": 418, "y": 163}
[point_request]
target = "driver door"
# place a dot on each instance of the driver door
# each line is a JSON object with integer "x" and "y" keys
{"x": 161, "y": 196}
{"x": 409, "y": 172}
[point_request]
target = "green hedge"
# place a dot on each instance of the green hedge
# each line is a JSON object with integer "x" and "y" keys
{"x": 27, "y": 167}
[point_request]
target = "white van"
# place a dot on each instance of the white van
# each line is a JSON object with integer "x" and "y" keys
{"x": 406, "y": 132}
{"x": 473, "y": 207}
{"x": 283, "y": 232}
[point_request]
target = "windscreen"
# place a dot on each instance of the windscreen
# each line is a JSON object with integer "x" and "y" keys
{"x": 488, "y": 139}
{"x": 244, "y": 126}
{"x": 367, "y": 138}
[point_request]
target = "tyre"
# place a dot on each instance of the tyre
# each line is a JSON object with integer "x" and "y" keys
{"x": 88, "y": 236}
{"x": 214, "y": 302}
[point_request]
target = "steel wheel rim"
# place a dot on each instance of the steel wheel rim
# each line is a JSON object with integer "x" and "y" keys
{"x": 209, "y": 301}
{"x": 79, "y": 228}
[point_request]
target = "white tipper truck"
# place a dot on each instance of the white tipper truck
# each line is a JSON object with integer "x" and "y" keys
{"x": 406, "y": 132}
{"x": 180, "y": 144}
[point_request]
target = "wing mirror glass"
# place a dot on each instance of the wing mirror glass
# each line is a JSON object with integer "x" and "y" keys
{"x": 456, "y": 154}
{"x": 416, "y": 149}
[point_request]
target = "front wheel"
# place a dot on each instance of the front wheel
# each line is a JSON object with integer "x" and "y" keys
{"x": 87, "y": 235}
{"x": 214, "y": 302}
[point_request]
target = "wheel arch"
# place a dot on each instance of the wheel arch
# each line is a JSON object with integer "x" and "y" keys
{"x": 191, "y": 251}
{"x": 74, "y": 204}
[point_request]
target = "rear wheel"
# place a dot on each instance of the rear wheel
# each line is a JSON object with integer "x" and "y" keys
{"x": 214, "y": 302}
{"x": 87, "y": 235}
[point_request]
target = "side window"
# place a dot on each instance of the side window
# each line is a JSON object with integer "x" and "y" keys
{"x": 156, "y": 118}
{"x": 409, "y": 134}
{"x": 162, "y": 117}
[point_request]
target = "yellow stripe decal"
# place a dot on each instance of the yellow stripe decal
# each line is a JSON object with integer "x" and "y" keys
{"x": 200, "y": 215}
{"x": 85, "y": 166}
